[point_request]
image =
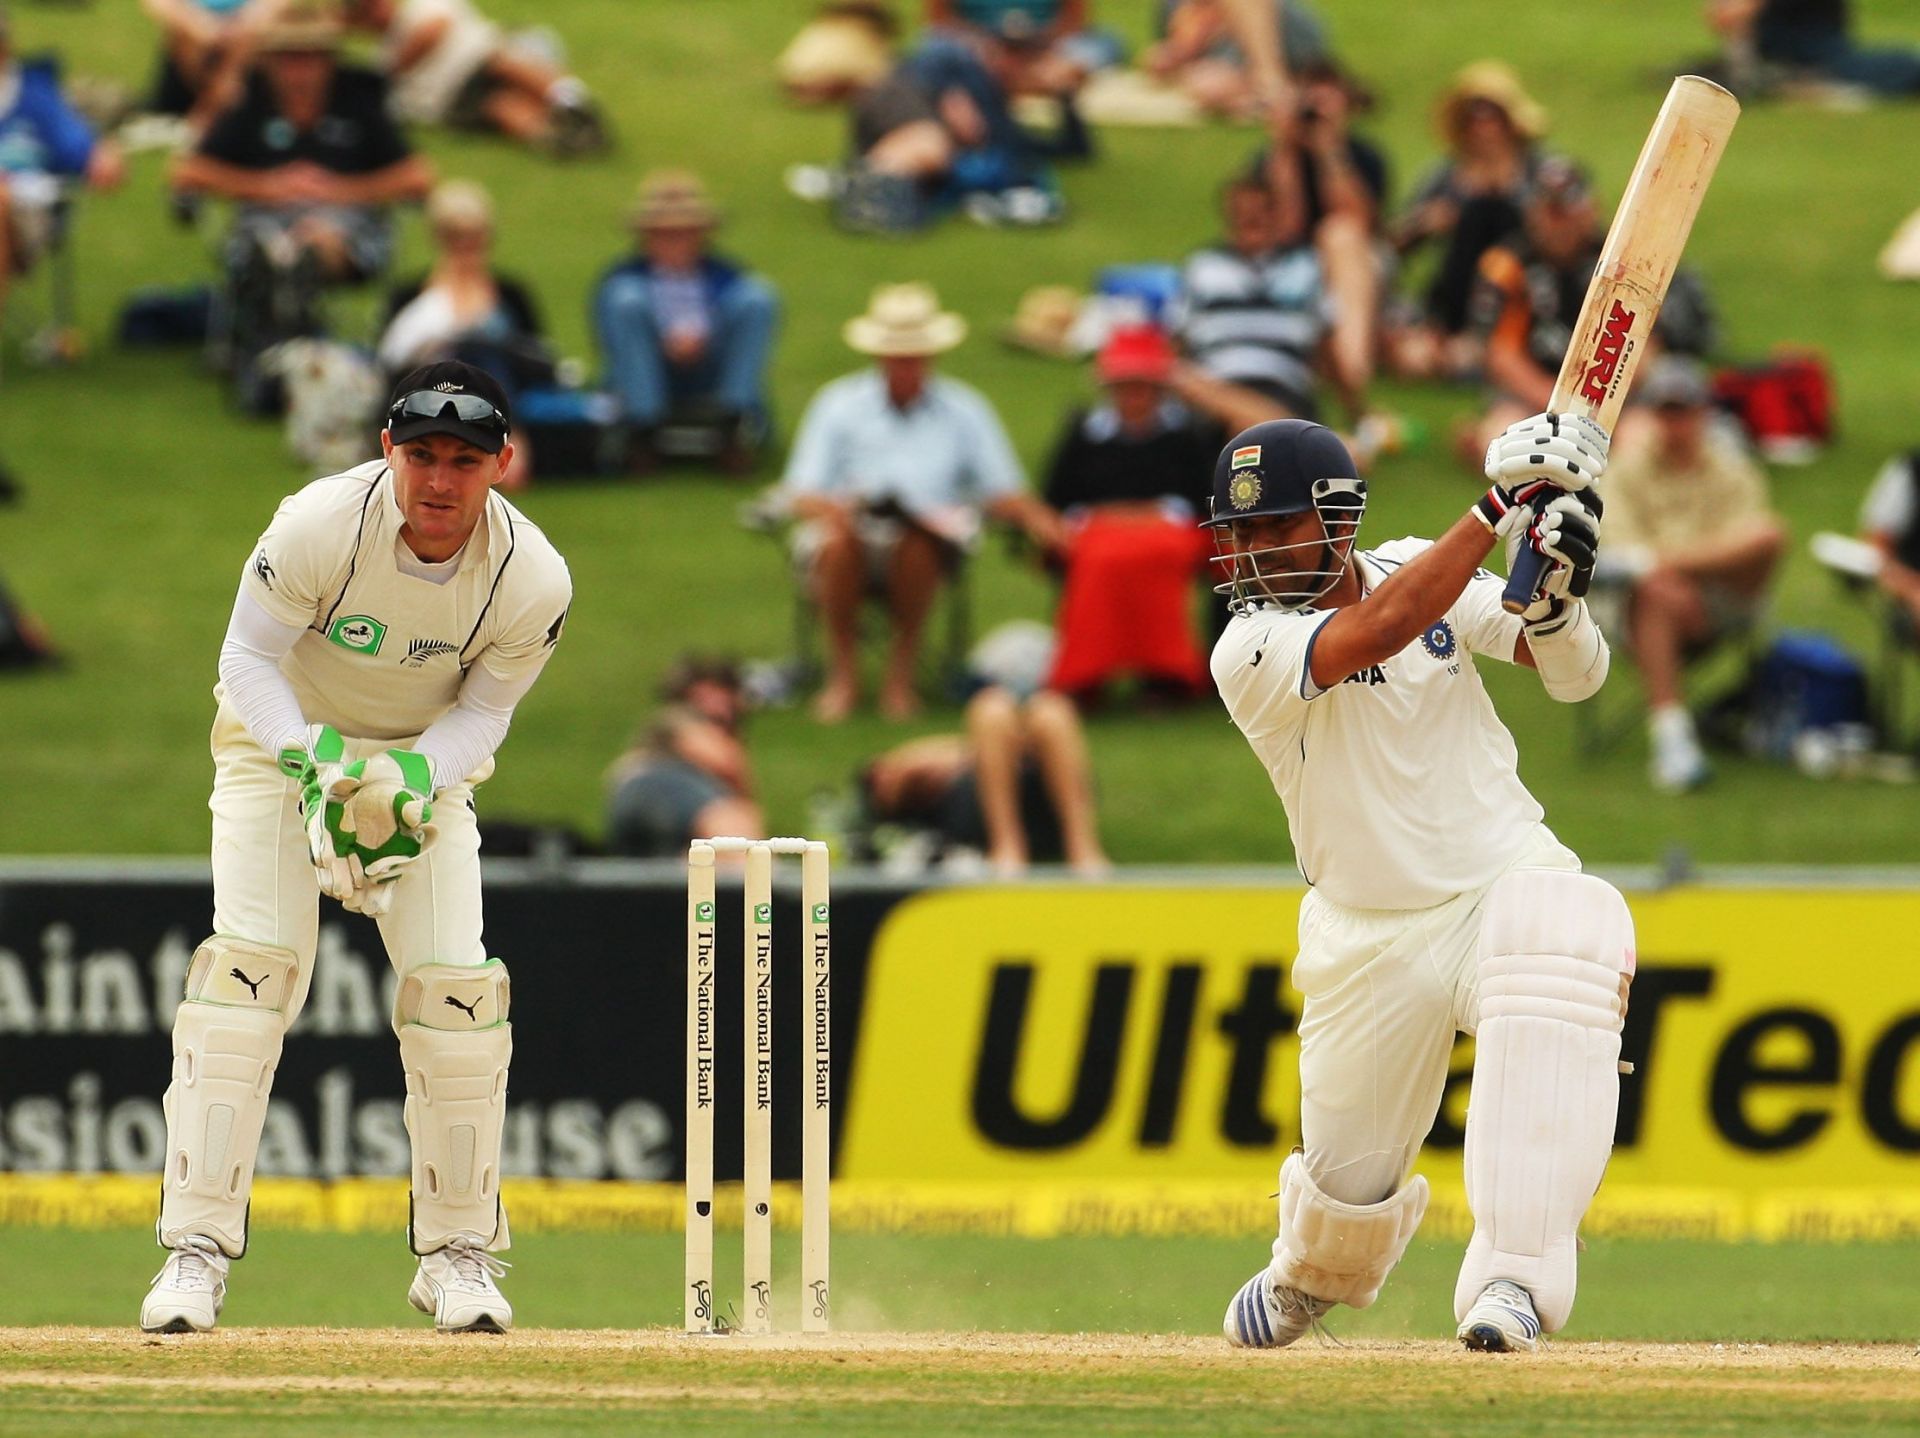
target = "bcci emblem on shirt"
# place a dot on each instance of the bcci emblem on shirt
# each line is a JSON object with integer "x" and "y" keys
{"x": 1438, "y": 640}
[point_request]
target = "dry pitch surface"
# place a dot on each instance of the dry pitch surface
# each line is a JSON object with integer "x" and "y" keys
{"x": 314, "y": 1381}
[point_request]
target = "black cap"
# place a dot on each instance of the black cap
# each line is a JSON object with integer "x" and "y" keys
{"x": 413, "y": 411}
{"x": 1560, "y": 181}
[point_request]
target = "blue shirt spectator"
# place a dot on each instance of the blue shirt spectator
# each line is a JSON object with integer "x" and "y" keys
{"x": 684, "y": 329}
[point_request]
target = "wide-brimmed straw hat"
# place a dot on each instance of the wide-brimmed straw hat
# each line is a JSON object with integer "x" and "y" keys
{"x": 1044, "y": 319}
{"x": 294, "y": 25}
{"x": 673, "y": 200}
{"x": 904, "y": 320}
{"x": 1494, "y": 82}
{"x": 460, "y": 205}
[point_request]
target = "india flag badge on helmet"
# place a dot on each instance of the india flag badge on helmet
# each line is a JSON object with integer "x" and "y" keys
{"x": 1243, "y": 492}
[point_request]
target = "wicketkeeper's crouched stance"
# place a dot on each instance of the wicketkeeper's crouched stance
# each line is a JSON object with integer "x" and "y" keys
{"x": 387, "y": 624}
{"x": 1439, "y": 901}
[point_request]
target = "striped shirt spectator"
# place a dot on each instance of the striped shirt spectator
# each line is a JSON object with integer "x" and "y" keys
{"x": 1253, "y": 312}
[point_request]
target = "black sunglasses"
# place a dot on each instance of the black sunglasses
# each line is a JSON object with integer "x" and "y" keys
{"x": 434, "y": 404}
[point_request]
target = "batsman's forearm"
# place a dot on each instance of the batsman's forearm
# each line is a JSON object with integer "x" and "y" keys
{"x": 1425, "y": 588}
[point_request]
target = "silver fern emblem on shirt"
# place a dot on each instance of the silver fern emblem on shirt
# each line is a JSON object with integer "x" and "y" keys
{"x": 419, "y": 651}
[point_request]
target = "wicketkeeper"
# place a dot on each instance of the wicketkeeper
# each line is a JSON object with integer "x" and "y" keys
{"x": 388, "y": 622}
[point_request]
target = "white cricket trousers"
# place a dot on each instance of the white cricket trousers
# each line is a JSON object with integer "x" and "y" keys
{"x": 265, "y": 887}
{"x": 1383, "y": 993}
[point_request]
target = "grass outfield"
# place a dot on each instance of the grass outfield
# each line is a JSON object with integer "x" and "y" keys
{"x": 319, "y": 1381}
{"x": 957, "y": 1335}
{"x": 1632, "y": 1290}
{"x": 144, "y": 493}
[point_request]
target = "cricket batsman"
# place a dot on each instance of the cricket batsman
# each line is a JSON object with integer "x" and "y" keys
{"x": 1438, "y": 900}
{"x": 388, "y": 622}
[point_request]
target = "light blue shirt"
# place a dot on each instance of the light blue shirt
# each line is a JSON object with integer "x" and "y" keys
{"x": 946, "y": 450}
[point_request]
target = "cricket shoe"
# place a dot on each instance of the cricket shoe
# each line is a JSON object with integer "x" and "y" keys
{"x": 456, "y": 1285}
{"x": 1265, "y": 1314}
{"x": 187, "y": 1292}
{"x": 1502, "y": 1320}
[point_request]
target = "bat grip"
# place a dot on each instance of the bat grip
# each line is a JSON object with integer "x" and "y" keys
{"x": 1523, "y": 581}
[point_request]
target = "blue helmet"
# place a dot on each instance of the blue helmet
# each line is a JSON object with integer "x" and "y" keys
{"x": 1282, "y": 467}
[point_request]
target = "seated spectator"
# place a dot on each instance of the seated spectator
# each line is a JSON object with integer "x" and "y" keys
{"x": 889, "y": 474}
{"x": 462, "y": 309}
{"x": 846, "y": 47}
{"x": 1199, "y": 51}
{"x": 936, "y": 132}
{"x": 1016, "y": 787}
{"x": 1130, "y": 478}
{"x": 1808, "y": 40}
{"x": 1689, "y": 532}
{"x": 1890, "y": 522}
{"x": 1528, "y": 295}
{"x": 1038, "y": 47}
{"x": 43, "y": 141}
{"x": 314, "y": 165}
{"x": 1466, "y": 204}
{"x": 450, "y": 65}
{"x": 1341, "y": 179}
{"x": 687, "y": 776}
{"x": 685, "y": 328}
{"x": 1253, "y": 309}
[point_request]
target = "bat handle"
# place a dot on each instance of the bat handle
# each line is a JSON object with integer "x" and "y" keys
{"x": 1523, "y": 581}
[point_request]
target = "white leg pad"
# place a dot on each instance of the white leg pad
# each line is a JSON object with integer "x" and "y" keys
{"x": 1556, "y": 957}
{"x": 227, "y": 1034}
{"x": 456, "y": 1043}
{"x": 1341, "y": 1252}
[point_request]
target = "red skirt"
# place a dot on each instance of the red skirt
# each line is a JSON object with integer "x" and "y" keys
{"x": 1127, "y": 606}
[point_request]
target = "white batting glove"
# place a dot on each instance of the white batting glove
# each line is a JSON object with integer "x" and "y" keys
{"x": 1567, "y": 531}
{"x": 1565, "y": 450}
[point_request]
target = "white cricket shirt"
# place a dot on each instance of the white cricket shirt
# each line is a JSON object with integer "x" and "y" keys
{"x": 385, "y": 651}
{"x": 1400, "y": 783}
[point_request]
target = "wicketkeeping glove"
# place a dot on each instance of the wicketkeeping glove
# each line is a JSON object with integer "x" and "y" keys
{"x": 315, "y": 767}
{"x": 379, "y": 812}
{"x": 1567, "y": 451}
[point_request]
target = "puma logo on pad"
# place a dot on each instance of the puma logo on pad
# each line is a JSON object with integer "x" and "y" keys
{"x": 467, "y": 1009}
{"x": 253, "y": 985}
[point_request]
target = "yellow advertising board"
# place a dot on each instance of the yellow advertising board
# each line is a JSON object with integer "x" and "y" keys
{"x": 1146, "y": 1035}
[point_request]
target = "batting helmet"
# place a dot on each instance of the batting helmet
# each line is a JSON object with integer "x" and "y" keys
{"x": 1283, "y": 467}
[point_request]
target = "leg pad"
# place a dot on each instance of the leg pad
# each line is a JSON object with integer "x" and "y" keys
{"x": 1341, "y": 1252}
{"x": 1556, "y": 956}
{"x": 456, "y": 1043}
{"x": 227, "y": 1034}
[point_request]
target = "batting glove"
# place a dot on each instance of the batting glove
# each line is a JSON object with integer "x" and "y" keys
{"x": 1566, "y": 530}
{"x": 1565, "y": 450}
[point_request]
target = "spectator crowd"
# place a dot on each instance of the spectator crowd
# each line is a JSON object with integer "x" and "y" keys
{"x": 1316, "y": 283}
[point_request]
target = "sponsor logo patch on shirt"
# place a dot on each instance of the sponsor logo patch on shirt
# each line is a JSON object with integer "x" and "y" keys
{"x": 361, "y": 633}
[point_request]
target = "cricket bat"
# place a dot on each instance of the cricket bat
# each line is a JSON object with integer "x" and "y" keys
{"x": 1636, "y": 265}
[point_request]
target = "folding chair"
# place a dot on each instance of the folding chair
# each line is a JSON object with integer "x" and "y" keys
{"x": 768, "y": 515}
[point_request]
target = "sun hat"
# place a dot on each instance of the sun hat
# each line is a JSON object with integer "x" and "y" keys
{"x": 904, "y": 319}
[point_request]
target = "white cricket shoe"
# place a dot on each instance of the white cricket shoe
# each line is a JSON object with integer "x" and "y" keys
{"x": 1502, "y": 1320}
{"x": 1677, "y": 763}
{"x": 1265, "y": 1314}
{"x": 456, "y": 1285}
{"x": 187, "y": 1292}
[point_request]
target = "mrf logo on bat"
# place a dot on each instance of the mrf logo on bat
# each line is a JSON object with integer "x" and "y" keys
{"x": 1613, "y": 347}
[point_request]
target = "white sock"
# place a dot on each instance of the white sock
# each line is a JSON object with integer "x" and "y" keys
{"x": 1671, "y": 724}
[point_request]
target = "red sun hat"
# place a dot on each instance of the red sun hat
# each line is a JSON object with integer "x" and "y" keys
{"x": 1136, "y": 352}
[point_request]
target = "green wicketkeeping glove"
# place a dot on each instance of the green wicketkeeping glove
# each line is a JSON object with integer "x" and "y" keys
{"x": 316, "y": 768}
{"x": 379, "y": 815}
